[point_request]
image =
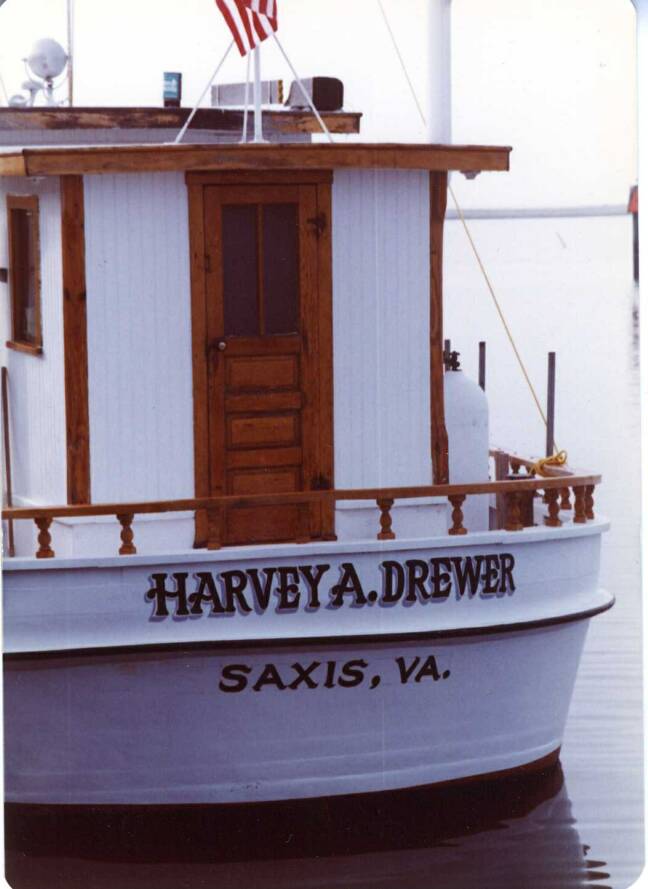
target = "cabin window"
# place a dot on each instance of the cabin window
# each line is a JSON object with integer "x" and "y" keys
{"x": 24, "y": 274}
{"x": 260, "y": 249}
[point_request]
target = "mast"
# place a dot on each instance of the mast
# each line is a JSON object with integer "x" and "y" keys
{"x": 439, "y": 114}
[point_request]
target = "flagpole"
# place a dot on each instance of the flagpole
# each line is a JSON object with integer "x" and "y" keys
{"x": 258, "y": 113}
{"x": 247, "y": 101}
{"x": 70, "y": 42}
{"x": 178, "y": 138}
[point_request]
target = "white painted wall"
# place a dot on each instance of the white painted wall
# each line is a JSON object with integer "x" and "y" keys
{"x": 381, "y": 293}
{"x": 36, "y": 386}
{"x": 139, "y": 337}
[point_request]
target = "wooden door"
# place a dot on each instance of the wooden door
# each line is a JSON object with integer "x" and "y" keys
{"x": 268, "y": 428}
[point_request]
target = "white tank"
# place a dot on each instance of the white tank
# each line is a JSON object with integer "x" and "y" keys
{"x": 466, "y": 414}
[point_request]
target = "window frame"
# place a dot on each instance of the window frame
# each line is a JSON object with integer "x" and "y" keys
{"x": 29, "y": 203}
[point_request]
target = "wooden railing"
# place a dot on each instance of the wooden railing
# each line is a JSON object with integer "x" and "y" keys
{"x": 509, "y": 490}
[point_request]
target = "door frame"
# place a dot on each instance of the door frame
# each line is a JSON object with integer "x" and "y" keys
{"x": 201, "y": 347}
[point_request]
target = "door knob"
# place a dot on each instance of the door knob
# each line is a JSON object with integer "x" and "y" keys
{"x": 222, "y": 345}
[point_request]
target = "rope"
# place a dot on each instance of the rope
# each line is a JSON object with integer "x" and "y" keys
{"x": 558, "y": 459}
{"x": 560, "y": 456}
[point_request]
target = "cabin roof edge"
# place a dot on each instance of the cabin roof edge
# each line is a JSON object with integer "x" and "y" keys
{"x": 67, "y": 160}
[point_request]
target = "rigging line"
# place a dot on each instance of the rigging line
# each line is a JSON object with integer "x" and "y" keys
{"x": 497, "y": 305}
{"x": 402, "y": 63}
{"x": 178, "y": 138}
{"x": 304, "y": 92}
{"x": 467, "y": 230}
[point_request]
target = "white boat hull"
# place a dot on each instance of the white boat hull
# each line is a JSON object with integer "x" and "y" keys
{"x": 191, "y": 711}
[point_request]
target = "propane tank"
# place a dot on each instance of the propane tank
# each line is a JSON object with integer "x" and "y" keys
{"x": 466, "y": 415}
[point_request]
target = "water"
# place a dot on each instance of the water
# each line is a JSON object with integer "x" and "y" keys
{"x": 565, "y": 285}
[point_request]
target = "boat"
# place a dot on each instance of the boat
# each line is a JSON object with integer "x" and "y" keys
{"x": 263, "y": 548}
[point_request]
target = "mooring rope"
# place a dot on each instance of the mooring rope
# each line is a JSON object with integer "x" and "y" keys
{"x": 559, "y": 458}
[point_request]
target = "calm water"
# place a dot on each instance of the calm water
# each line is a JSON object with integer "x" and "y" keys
{"x": 566, "y": 286}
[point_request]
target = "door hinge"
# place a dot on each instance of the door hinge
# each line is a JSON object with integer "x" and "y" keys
{"x": 319, "y": 223}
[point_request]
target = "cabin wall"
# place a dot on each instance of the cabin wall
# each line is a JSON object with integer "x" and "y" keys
{"x": 139, "y": 337}
{"x": 381, "y": 317}
{"x": 36, "y": 382}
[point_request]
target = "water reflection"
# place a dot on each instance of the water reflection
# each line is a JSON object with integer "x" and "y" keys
{"x": 517, "y": 832}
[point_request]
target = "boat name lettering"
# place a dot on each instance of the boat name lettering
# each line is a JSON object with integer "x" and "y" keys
{"x": 326, "y": 674}
{"x": 289, "y": 589}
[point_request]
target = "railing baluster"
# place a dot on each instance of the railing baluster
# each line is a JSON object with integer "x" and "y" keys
{"x": 565, "y": 502}
{"x": 45, "y": 550}
{"x": 127, "y": 548}
{"x": 386, "y": 532}
{"x": 457, "y": 514}
{"x": 580, "y": 516}
{"x": 214, "y": 527}
{"x": 551, "y": 498}
{"x": 515, "y": 466}
{"x": 589, "y": 501}
{"x": 513, "y": 515}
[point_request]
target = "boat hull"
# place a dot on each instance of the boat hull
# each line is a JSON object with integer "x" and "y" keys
{"x": 242, "y": 724}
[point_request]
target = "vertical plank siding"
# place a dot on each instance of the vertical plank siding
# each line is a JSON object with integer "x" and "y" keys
{"x": 36, "y": 384}
{"x": 381, "y": 311}
{"x": 75, "y": 333}
{"x": 139, "y": 337}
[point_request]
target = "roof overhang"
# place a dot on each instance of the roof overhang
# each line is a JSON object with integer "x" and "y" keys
{"x": 70, "y": 160}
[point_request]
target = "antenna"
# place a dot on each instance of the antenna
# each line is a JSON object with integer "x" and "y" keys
{"x": 45, "y": 62}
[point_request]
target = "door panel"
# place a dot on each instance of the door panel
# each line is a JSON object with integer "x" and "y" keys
{"x": 263, "y": 315}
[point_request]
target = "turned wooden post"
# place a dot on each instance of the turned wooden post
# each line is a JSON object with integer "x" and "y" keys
{"x": 513, "y": 515}
{"x": 214, "y": 527}
{"x": 580, "y": 516}
{"x": 386, "y": 532}
{"x": 565, "y": 502}
{"x": 515, "y": 466}
{"x": 551, "y": 498}
{"x": 45, "y": 551}
{"x": 589, "y": 501}
{"x": 457, "y": 514}
{"x": 128, "y": 547}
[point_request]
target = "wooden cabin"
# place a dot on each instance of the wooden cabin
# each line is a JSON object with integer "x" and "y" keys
{"x": 187, "y": 321}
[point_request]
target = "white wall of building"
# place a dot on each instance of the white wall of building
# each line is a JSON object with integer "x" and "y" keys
{"x": 381, "y": 293}
{"x": 36, "y": 387}
{"x": 139, "y": 337}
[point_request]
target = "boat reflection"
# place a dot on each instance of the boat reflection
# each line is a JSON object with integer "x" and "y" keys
{"x": 515, "y": 832}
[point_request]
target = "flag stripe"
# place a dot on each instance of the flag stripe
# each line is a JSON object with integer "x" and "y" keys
{"x": 250, "y": 21}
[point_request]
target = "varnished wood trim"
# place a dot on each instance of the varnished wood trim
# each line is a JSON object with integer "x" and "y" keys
{"x": 325, "y": 324}
{"x": 27, "y": 348}
{"x": 199, "y": 354}
{"x": 311, "y": 641}
{"x": 29, "y": 203}
{"x": 261, "y": 177}
{"x": 75, "y": 338}
{"x": 251, "y": 500}
{"x": 323, "y": 156}
{"x": 216, "y": 119}
{"x": 439, "y": 434}
{"x": 12, "y": 164}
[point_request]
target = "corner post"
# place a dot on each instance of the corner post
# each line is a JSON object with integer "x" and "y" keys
{"x": 438, "y": 202}
{"x": 75, "y": 337}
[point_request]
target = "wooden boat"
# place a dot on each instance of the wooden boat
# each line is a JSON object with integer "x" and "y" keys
{"x": 263, "y": 550}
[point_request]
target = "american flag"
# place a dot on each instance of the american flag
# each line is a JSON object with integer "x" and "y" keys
{"x": 250, "y": 21}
